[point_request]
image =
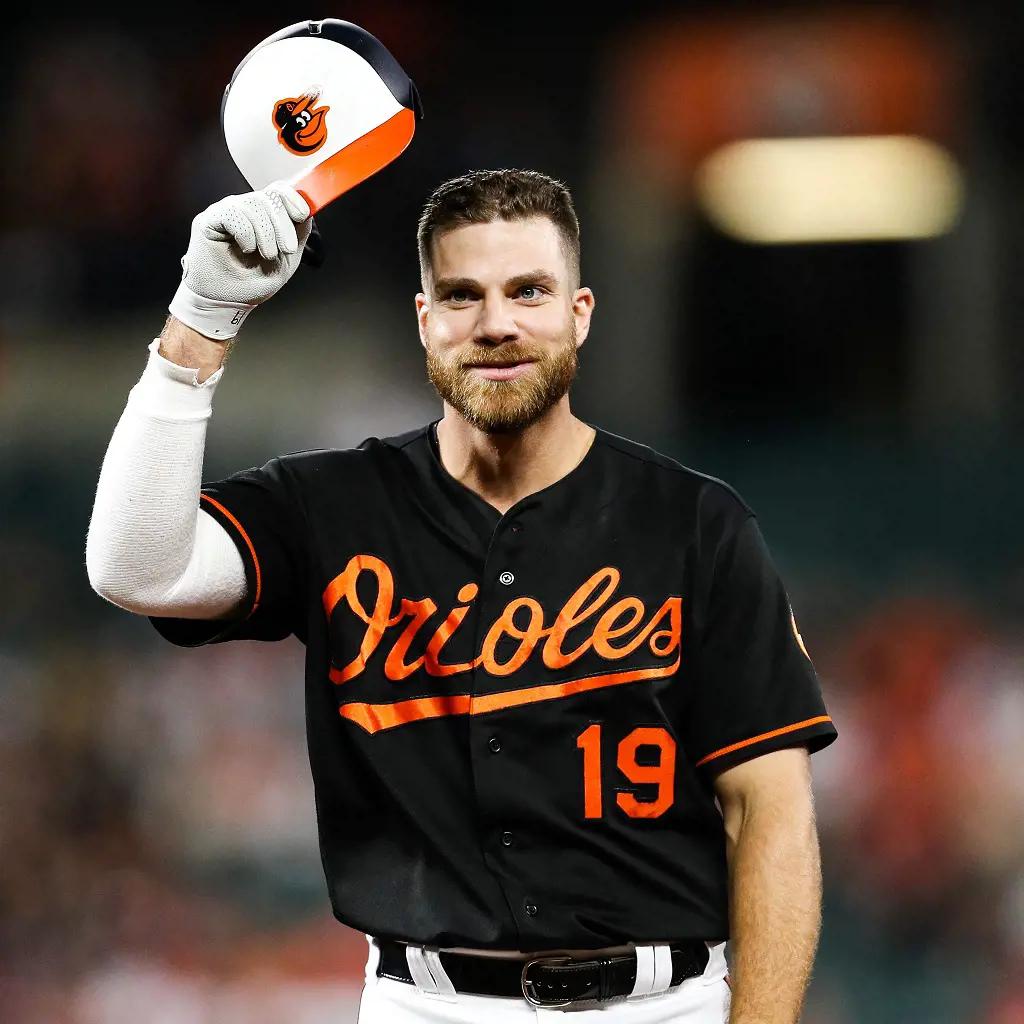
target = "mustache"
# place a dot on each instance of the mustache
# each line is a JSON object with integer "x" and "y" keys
{"x": 504, "y": 356}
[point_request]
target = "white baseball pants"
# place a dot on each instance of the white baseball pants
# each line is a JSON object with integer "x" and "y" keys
{"x": 433, "y": 1000}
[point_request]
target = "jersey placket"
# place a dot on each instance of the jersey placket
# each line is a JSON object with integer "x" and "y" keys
{"x": 505, "y": 578}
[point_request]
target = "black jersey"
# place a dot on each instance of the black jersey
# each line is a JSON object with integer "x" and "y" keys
{"x": 514, "y": 721}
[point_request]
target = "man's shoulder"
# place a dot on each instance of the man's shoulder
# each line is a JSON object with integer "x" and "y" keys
{"x": 411, "y": 438}
{"x": 674, "y": 475}
{"x": 371, "y": 449}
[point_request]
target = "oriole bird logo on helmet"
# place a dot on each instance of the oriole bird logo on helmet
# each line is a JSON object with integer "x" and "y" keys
{"x": 301, "y": 125}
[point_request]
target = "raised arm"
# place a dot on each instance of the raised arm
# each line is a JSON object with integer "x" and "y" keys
{"x": 150, "y": 549}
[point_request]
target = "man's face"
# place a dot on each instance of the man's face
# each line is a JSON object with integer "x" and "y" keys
{"x": 500, "y": 324}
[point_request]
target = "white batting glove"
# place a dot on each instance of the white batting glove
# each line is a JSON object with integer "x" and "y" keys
{"x": 242, "y": 250}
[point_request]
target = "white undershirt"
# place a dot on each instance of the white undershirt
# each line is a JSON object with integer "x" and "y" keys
{"x": 150, "y": 548}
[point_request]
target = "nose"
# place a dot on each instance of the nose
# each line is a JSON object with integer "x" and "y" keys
{"x": 496, "y": 323}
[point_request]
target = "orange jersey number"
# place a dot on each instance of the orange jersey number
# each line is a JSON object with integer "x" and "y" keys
{"x": 661, "y": 774}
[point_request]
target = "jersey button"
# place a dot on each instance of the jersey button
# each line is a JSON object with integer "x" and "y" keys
{"x": 494, "y": 744}
{"x": 507, "y": 578}
{"x": 531, "y": 909}
{"x": 506, "y": 838}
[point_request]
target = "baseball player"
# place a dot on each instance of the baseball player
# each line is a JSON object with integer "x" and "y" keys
{"x": 558, "y": 709}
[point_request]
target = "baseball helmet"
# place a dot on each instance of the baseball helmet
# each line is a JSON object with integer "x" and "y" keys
{"x": 319, "y": 104}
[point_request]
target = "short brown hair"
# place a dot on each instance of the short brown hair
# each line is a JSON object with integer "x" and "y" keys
{"x": 510, "y": 194}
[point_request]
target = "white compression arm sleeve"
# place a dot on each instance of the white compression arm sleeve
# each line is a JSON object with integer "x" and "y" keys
{"x": 150, "y": 548}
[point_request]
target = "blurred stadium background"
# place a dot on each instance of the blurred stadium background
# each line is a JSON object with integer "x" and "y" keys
{"x": 830, "y": 320}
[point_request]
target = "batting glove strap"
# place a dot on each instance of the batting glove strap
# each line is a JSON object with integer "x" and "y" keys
{"x": 212, "y": 318}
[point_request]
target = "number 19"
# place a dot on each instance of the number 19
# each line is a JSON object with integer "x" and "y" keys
{"x": 662, "y": 774}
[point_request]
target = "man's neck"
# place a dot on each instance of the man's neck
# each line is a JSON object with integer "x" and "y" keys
{"x": 505, "y": 468}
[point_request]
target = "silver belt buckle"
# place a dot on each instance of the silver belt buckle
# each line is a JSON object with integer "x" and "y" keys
{"x": 528, "y": 986}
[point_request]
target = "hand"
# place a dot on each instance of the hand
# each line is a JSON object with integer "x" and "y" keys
{"x": 242, "y": 251}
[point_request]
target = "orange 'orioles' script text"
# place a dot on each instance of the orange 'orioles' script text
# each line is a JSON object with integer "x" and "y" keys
{"x": 616, "y": 630}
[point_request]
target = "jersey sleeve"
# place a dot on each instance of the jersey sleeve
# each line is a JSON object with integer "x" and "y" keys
{"x": 755, "y": 689}
{"x": 262, "y": 515}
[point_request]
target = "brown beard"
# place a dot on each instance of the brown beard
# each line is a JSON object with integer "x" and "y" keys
{"x": 504, "y": 406}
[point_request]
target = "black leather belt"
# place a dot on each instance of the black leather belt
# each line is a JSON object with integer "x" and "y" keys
{"x": 546, "y": 980}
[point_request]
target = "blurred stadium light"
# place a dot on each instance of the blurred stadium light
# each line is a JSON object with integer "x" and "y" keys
{"x": 853, "y": 188}
{"x": 728, "y": 135}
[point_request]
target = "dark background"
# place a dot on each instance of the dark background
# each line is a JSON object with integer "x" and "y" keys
{"x": 157, "y": 846}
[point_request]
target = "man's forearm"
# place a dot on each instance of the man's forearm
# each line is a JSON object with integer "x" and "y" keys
{"x": 149, "y": 548}
{"x": 181, "y": 345}
{"x": 775, "y": 881}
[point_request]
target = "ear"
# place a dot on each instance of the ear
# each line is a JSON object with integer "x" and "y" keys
{"x": 422, "y": 311}
{"x": 582, "y": 311}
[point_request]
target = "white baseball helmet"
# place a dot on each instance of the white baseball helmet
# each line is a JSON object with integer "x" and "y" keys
{"x": 321, "y": 105}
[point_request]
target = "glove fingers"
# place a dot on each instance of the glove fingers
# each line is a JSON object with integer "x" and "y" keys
{"x": 259, "y": 208}
{"x": 226, "y": 222}
{"x": 241, "y": 251}
{"x": 284, "y": 229}
{"x": 297, "y": 207}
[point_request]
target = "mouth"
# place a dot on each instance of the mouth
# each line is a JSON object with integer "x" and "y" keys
{"x": 500, "y": 371}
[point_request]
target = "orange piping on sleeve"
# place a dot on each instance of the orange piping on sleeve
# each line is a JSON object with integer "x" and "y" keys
{"x": 252, "y": 551}
{"x": 763, "y": 736}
